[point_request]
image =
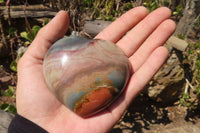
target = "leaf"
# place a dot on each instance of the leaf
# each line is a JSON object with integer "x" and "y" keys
{"x": 1, "y": 1}
{"x": 35, "y": 30}
{"x": 26, "y": 36}
{"x": 4, "y": 106}
{"x": 46, "y": 21}
{"x": 13, "y": 66}
{"x": 181, "y": 36}
{"x": 188, "y": 104}
{"x": 197, "y": 45}
{"x": 181, "y": 101}
{"x": 12, "y": 109}
{"x": 198, "y": 64}
{"x": 198, "y": 90}
{"x": 9, "y": 92}
{"x": 21, "y": 54}
{"x": 11, "y": 31}
{"x": 186, "y": 96}
{"x": 129, "y": 5}
{"x": 8, "y": 108}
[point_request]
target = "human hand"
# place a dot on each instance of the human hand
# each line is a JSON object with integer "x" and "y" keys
{"x": 142, "y": 44}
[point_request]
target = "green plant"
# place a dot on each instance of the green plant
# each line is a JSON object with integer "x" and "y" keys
{"x": 151, "y": 4}
{"x": 11, "y": 31}
{"x": 198, "y": 56}
{"x": 88, "y": 3}
{"x": 178, "y": 11}
{"x": 13, "y": 66}
{"x": 197, "y": 45}
{"x": 9, "y": 92}
{"x": 198, "y": 69}
{"x": 198, "y": 90}
{"x": 109, "y": 6}
{"x": 198, "y": 64}
{"x": 184, "y": 100}
{"x": 105, "y": 10}
{"x": 191, "y": 51}
{"x": 32, "y": 34}
{"x": 45, "y": 22}
{"x": 128, "y": 6}
{"x": 7, "y": 106}
{"x": 181, "y": 36}
{"x": 166, "y": 3}
{"x": 109, "y": 18}
{"x": 198, "y": 21}
{"x": 191, "y": 98}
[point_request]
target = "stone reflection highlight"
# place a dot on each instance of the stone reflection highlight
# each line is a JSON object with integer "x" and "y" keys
{"x": 86, "y": 75}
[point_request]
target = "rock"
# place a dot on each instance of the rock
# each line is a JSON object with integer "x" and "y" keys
{"x": 93, "y": 27}
{"x": 5, "y": 120}
{"x": 183, "y": 129}
{"x": 167, "y": 85}
{"x": 177, "y": 43}
{"x": 21, "y": 50}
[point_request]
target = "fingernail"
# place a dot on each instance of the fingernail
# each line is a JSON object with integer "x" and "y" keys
{"x": 59, "y": 12}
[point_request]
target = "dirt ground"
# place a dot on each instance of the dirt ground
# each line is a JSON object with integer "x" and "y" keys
{"x": 146, "y": 116}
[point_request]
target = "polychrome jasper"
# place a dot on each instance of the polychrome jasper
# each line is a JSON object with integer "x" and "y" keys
{"x": 86, "y": 75}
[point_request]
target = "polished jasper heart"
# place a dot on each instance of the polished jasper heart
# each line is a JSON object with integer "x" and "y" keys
{"x": 86, "y": 75}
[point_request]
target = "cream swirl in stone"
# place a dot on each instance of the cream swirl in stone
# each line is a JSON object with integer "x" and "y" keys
{"x": 86, "y": 75}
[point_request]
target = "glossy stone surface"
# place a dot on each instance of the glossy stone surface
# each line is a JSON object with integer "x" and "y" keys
{"x": 86, "y": 75}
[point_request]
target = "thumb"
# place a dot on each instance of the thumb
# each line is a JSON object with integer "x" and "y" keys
{"x": 47, "y": 35}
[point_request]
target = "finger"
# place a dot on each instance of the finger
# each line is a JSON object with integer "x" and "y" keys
{"x": 120, "y": 26}
{"x": 144, "y": 74}
{"x": 50, "y": 33}
{"x": 135, "y": 37}
{"x": 156, "y": 39}
{"x": 139, "y": 80}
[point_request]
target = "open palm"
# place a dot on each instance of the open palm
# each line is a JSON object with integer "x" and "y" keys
{"x": 139, "y": 34}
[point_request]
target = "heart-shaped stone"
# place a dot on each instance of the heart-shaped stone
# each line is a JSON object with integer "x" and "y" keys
{"x": 86, "y": 75}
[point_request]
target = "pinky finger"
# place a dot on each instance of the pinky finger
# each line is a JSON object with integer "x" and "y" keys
{"x": 144, "y": 74}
